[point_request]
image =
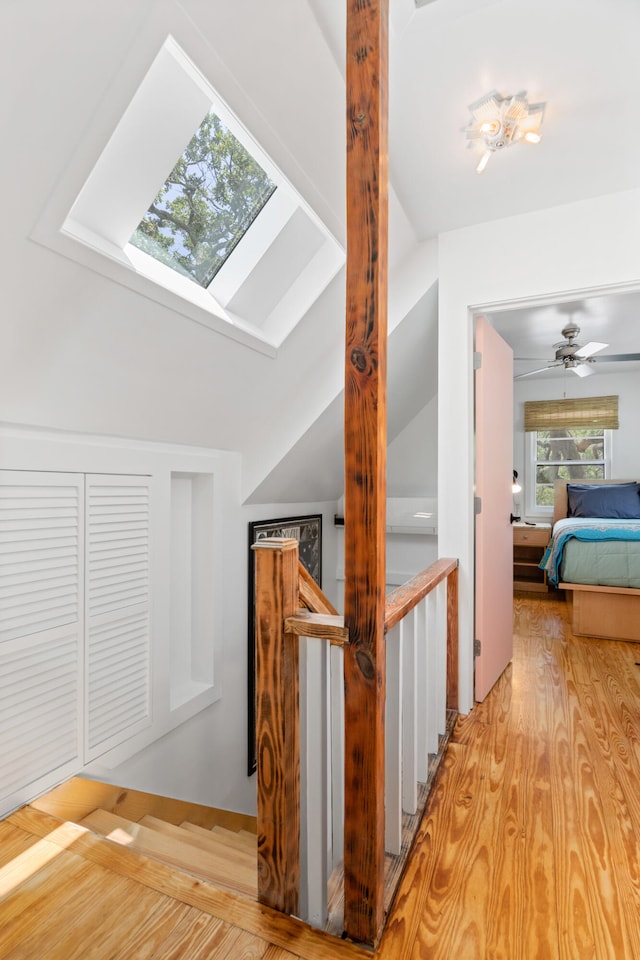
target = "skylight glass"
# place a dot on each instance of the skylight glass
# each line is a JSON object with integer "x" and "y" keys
{"x": 206, "y": 205}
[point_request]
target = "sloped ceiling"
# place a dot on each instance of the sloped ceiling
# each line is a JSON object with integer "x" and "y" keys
{"x": 81, "y": 352}
{"x": 314, "y": 468}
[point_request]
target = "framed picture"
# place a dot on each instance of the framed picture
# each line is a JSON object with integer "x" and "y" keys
{"x": 308, "y": 532}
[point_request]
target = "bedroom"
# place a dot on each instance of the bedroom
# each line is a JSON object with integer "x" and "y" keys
{"x": 607, "y": 325}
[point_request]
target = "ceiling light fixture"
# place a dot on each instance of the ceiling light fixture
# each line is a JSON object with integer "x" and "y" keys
{"x": 498, "y": 122}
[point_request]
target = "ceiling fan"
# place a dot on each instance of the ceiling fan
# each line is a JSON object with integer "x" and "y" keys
{"x": 570, "y": 355}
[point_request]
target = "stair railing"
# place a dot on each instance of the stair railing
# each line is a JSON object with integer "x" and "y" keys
{"x": 421, "y": 627}
{"x": 300, "y": 719}
{"x": 286, "y": 637}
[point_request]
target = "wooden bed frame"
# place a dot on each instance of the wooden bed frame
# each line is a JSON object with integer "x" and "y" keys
{"x": 609, "y": 612}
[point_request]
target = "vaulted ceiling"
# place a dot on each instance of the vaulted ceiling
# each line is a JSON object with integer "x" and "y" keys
{"x": 81, "y": 352}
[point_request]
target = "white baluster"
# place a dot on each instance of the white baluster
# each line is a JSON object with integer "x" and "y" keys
{"x": 409, "y": 713}
{"x": 422, "y": 718}
{"x": 441, "y": 713}
{"x": 314, "y": 772}
{"x": 337, "y": 756}
{"x": 393, "y": 742}
{"x": 432, "y": 671}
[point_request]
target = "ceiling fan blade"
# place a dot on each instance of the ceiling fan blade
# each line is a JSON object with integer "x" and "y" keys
{"x": 590, "y": 348}
{"x": 619, "y": 357}
{"x": 583, "y": 370}
{"x": 530, "y": 373}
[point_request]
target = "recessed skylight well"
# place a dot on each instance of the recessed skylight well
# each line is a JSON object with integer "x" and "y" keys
{"x": 189, "y": 205}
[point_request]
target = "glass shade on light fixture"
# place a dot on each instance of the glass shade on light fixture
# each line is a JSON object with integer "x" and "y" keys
{"x": 498, "y": 122}
{"x": 515, "y": 486}
{"x": 484, "y": 160}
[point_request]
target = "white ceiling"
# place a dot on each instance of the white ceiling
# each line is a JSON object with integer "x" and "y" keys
{"x": 579, "y": 57}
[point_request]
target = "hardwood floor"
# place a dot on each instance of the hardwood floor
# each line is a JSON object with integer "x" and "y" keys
{"x": 529, "y": 847}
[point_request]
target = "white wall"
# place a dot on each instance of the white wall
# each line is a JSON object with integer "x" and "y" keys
{"x": 577, "y": 247}
{"x": 412, "y": 458}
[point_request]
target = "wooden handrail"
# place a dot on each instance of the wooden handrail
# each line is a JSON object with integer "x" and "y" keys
{"x": 311, "y": 596}
{"x": 405, "y": 597}
{"x": 322, "y": 626}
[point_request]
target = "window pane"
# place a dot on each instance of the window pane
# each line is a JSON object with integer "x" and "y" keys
{"x": 207, "y": 204}
{"x": 561, "y": 445}
{"x": 569, "y": 471}
{"x": 567, "y": 455}
{"x": 544, "y": 496}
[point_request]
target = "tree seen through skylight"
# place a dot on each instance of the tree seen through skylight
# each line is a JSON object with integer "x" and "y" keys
{"x": 206, "y": 205}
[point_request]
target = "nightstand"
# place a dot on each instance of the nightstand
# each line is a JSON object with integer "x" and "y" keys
{"x": 529, "y": 544}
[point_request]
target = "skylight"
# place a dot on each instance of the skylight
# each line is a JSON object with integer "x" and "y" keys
{"x": 206, "y": 204}
{"x": 214, "y": 231}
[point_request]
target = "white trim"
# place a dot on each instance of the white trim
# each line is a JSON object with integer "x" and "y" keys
{"x": 551, "y": 299}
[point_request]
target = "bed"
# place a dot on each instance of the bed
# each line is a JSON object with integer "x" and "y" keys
{"x": 594, "y": 555}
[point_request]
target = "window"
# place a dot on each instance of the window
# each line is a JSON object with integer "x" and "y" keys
{"x": 568, "y": 440}
{"x": 206, "y": 205}
{"x": 564, "y": 454}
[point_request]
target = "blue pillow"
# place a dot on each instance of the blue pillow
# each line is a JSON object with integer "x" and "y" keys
{"x": 613, "y": 501}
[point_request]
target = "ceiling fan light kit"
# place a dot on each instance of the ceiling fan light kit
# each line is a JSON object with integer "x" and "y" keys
{"x": 498, "y": 122}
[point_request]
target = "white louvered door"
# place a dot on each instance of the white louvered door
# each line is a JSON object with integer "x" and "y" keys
{"x": 74, "y": 623}
{"x": 41, "y": 616}
{"x": 117, "y": 669}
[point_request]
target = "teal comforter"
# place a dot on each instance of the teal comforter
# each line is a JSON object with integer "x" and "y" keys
{"x": 610, "y": 556}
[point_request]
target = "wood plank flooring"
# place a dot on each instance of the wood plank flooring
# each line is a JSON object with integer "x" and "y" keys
{"x": 529, "y": 848}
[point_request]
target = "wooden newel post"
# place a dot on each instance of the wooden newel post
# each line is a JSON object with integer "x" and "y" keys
{"x": 365, "y": 464}
{"x": 277, "y": 733}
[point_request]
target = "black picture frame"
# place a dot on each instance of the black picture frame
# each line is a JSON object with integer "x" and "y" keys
{"x": 307, "y": 530}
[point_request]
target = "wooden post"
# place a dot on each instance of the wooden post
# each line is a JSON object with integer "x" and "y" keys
{"x": 277, "y": 733}
{"x": 365, "y": 464}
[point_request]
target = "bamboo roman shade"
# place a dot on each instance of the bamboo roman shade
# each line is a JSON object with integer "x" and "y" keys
{"x": 581, "y": 413}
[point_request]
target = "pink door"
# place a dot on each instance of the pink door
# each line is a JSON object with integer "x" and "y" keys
{"x": 494, "y": 538}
